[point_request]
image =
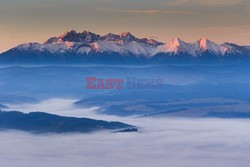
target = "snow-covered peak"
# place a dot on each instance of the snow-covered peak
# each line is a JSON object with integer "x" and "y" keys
{"x": 205, "y": 45}
{"x": 67, "y": 33}
{"x": 151, "y": 42}
{"x": 85, "y": 36}
{"x": 234, "y": 48}
{"x": 127, "y": 44}
{"x": 126, "y": 34}
{"x": 111, "y": 37}
{"x": 176, "y": 46}
{"x": 203, "y": 42}
{"x": 127, "y": 37}
{"x": 73, "y": 36}
{"x": 176, "y": 42}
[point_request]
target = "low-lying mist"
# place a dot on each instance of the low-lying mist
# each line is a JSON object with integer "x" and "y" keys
{"x": 160, "y": 142}
{"x": 175, "y": 142}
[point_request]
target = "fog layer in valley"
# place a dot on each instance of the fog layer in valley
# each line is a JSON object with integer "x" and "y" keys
{"x": 163, "y": 139}
{"x": 175, "y": 142}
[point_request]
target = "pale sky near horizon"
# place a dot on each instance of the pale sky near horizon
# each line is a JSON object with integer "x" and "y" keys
{"x": 37, "y": 20}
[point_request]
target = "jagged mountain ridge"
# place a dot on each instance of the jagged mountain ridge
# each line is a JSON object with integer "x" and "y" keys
{"x": 86, "y": 42}
{"x": 87, "y": 45}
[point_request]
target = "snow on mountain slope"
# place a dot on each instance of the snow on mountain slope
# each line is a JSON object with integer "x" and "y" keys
{"x": 127, "y": 44}
{"x": 204, "y": 45}
{"x": 235, "y": 49}
{"x": 85, "y": 42}
{"x": 58, "y": 47}
{"x": 201, "y": 46}
{"x": 176, "y": 46}
{"x": 73, "y": 36}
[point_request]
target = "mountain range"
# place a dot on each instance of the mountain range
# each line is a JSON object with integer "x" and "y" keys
{"x": 85, "y": 47}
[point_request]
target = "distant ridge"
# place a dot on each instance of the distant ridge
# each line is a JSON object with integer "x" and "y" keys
{"x": 39, "y": 122}
{"x": 88, "y": 47}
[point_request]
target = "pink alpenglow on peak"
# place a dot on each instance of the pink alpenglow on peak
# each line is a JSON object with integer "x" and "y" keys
{"x": 203, "y": 42}
{"x": 125, "y": 34}
{"x": 203, "y": 45}
{"x": 176, "y": 46}
{"x": 127, "y": 44}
